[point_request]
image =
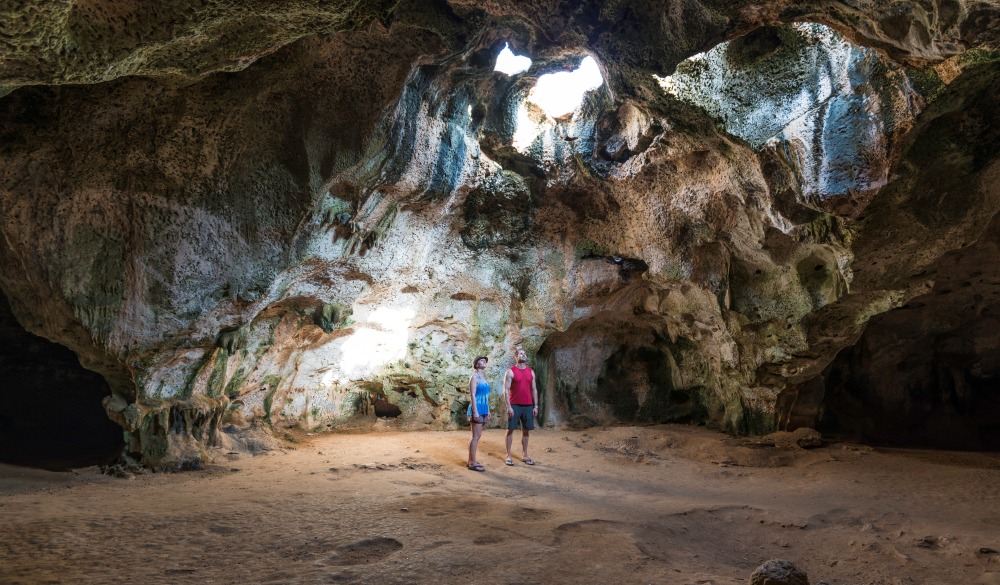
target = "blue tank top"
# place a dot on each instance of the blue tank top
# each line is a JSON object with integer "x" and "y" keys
{"x": 482, "y": 399}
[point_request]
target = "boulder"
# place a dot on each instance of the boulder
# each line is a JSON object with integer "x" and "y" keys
{"x": 778, "y": 572}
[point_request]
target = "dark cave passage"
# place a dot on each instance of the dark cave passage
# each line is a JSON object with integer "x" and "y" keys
{"x": 938, "y": 390}
{"x": 50, "y": 406}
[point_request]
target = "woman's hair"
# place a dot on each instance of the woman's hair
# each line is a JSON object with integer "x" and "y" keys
{"x": 476, "y": 361}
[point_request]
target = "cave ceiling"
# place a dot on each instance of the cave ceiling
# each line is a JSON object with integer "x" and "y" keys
{"x": 254, "y": 214}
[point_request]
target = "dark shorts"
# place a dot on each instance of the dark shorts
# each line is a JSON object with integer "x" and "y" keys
{"x": 523, "y": 415}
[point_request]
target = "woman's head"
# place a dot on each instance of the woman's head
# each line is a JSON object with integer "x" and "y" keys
{"x": 482, "y": 358}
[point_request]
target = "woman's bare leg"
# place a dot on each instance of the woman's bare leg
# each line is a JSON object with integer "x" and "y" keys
{"x": 477, "y": 431}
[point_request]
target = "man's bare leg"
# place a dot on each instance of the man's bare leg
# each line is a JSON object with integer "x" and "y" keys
{"x": 524, "y": 443}
{"x": 510, "y": 441}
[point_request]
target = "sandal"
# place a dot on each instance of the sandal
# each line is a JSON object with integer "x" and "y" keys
{"x": 528, "y": 461}
{"x": 509, "y": 461}
{"x": 476, "y": 467}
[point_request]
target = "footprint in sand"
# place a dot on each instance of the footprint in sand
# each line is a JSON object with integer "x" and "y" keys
{"x": 529, "y": 514}
{"x": 365, "y": 552}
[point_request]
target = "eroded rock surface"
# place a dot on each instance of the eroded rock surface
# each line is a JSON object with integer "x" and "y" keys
{"x": 835, "y": 111}
{"x": 778, "y": 572}
{"x": 311, "y": 215}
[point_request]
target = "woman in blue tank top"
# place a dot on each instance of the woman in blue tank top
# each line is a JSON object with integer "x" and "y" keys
{"x": 479, "y": 408}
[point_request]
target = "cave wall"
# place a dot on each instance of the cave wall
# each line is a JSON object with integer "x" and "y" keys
{"x": 300, "y": 217}
{"x": 165, "y": 221}
{"x": 834, "y": 110}
{"x": 924, "y": 372}
{"x": 927, "y": 299}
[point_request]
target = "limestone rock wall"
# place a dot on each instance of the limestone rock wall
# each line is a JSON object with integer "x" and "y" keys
{"x": 74, "y": 41}
{"x": 923, "y": 372}
{"x": 152, "y": 228}
{"x": 314, "y": 215}
{"x": 833, "y": 109}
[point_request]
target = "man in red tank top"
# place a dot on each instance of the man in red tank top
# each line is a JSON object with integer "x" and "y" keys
{"x": 521, "y": 395}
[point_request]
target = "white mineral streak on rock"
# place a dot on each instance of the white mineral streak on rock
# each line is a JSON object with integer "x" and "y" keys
{"x": 799, "y": 98}
{"x": 168, "y": 381}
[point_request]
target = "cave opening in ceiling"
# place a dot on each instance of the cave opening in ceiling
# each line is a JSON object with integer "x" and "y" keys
{"x": 50, "y": 406}
{"x": 553, "y": 107}
{"x": 553, "y": 98}
{"x": 560, "y": 94}
{"x": 557, "y": 94}
{"x": 510, "y": 63}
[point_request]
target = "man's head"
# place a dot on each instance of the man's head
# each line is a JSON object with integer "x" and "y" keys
{"x": 521, "y": 355}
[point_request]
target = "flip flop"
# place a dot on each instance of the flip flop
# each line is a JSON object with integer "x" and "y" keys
{"x": 509, "y": 461}
{"x": 528, "y": 461}
{"x": 476, "y": 467}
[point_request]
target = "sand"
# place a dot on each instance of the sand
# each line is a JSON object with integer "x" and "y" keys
{"x": 659, "y": 504}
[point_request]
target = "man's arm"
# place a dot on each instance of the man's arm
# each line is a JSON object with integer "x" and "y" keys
{"x": 534, "y": 392}
{"x": 507, "y": 379}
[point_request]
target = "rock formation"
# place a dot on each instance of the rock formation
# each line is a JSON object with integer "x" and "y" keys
{"x": 249, "y": 216}
{"x": 778, "y": 572}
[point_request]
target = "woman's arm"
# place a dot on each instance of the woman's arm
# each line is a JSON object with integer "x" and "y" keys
{"x": 472, "y": 393}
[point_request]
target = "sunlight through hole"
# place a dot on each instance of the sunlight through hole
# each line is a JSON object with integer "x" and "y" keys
{"x": 558, "y": 94}
{"x": 511, "y": 64}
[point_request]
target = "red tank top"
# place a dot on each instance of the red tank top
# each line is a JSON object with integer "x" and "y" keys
{"x": 520, "y": 386}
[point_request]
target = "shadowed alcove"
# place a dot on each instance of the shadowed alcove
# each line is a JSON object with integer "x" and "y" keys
{"x": 50, "y": 406}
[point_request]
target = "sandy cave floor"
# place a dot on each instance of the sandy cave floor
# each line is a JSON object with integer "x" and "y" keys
{"x": 660, "y": 504}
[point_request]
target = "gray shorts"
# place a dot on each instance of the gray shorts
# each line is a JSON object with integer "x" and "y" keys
{"x": 522, "y": 414}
